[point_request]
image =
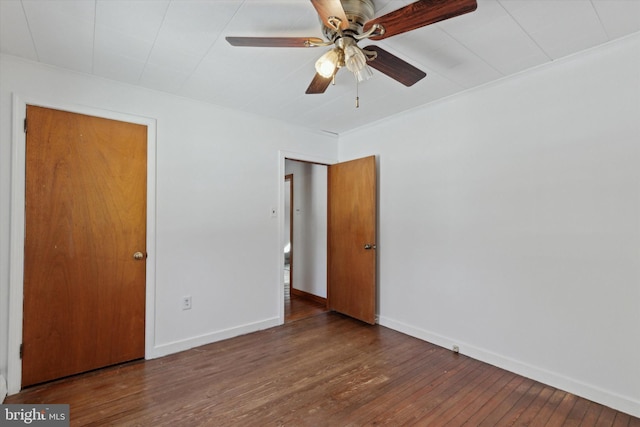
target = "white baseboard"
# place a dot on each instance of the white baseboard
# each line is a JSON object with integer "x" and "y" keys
{"x": 604, "y": 397}
{"x": 182, "y": 345}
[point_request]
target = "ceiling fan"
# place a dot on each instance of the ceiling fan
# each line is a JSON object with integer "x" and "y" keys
{"x": 347, "y": 22}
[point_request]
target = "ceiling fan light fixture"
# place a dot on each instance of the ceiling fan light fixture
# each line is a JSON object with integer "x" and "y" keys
{"x": 356, "y": 62}
{"x": 346, "y": 22}
{"x": 363, "y": 74}
{"x": 354, "y": 59}
{"x": 328, "y": 63}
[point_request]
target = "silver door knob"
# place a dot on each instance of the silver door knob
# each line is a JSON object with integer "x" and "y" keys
{"x": 369, "y": 246}
{"x": 138, "y": 256}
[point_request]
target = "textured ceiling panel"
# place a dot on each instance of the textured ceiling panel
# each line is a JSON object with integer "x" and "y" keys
{"x": 179, "y": 46}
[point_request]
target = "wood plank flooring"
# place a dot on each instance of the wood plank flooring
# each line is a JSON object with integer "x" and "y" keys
{"x": 325, "y": 370}
{"x": 296, "y": 308}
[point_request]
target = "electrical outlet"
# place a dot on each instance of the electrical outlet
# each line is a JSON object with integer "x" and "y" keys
{"x": 186, "y": 302}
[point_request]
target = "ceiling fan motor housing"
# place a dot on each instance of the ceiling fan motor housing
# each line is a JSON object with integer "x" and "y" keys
{"x": 358, "y": 12}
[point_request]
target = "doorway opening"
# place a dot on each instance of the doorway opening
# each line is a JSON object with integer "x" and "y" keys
{"x": 342, "y": 261}
{"x": 305, "y": 222}
{"x": 288, "y": 234}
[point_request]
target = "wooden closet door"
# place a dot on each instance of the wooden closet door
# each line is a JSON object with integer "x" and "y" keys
{"x": 84, "y": 290}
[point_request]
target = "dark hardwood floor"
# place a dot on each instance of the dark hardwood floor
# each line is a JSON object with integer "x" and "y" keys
{"x": 324, "y": 370}
{"x": 296, "y": 308}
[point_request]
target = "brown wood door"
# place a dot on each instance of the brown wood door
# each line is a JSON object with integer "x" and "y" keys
{"x": 351, "y": 272}
{"x": 84, "y": 293}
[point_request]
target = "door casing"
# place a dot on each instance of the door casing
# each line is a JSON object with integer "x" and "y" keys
{"x": 17, "y": 220}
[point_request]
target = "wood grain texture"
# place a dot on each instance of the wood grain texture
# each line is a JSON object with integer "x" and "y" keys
{"x": 419, "y": 14}
{"x": 395, "y": 67}
{"x": 318, "y": 84}
{"x": 331, "y": 8}
{"x": 326, "y": 370}
{"x": 351, "y": 269}
{"x": 84, "y": 294}
{"x": 274, "y": 41}
{"x": 298, "y": 307}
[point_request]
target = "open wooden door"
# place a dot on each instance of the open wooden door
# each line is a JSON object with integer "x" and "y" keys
{"x": 351, "y": 263}
{"x": 85, "y": 244}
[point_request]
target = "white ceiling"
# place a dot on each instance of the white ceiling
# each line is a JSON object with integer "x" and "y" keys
{"x": 178, "y": 46}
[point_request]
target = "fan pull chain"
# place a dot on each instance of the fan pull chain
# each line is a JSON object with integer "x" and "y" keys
{"x": 357, "y": 97}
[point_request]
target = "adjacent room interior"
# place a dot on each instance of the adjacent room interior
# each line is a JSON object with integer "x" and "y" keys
{"x": 305, "y": 239}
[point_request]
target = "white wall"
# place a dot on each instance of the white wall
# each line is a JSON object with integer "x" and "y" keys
{"x": 3, "y": 388}
{"x": 287, "y": 214}
{"x": 217, "y": 180}
{"x": 510, "y": 222}
{"x": 309, "y": 227}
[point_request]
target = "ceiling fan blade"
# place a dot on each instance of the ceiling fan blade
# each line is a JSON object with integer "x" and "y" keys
{"x": 276, "y": 41}
{"x": 319, "y": 84}
{"x": 419, "y": 14}
{"x": 395, "y": 67}
{"x": 331, "y": 8}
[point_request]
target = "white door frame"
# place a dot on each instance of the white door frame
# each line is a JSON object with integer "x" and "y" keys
{"x": 17, "y": 221}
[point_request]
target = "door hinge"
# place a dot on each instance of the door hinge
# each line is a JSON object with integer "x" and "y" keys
{"x": 21, "y": 350}
{"x": 25, "y": 125}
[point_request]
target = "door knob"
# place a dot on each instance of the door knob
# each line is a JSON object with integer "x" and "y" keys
{"x": 138, "y": 256}
{"x": 368, "y": 246}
